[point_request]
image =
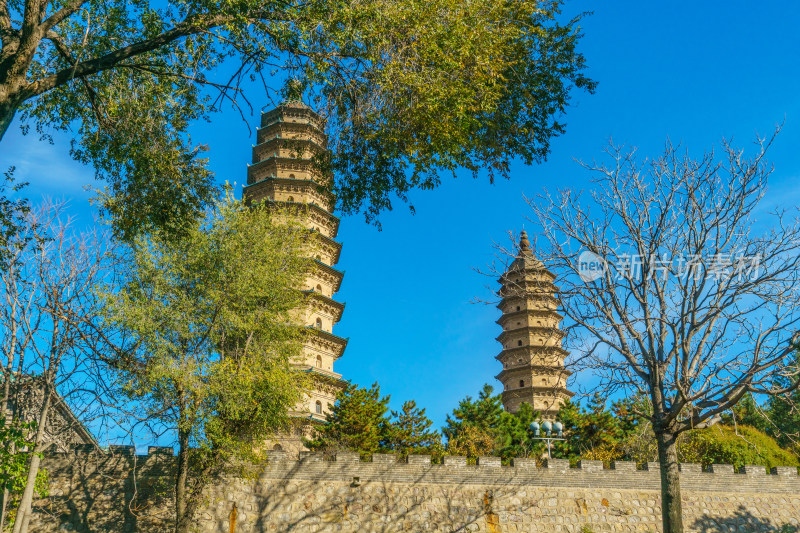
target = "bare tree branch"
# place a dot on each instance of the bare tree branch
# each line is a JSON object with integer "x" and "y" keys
{"x": 695, "y": 301}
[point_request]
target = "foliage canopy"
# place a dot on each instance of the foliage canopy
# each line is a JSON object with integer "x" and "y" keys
{"x": 410, "y": 88}
{"x": 212, "y": 335}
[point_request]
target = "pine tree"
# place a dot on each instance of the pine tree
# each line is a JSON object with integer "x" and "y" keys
{"x": 748, "y": 413}
{"x": 410, "y": 431}
{"x": 591, "y": 429}
{"x": 514, "y": 434}
{"x": 471, "y": 430}
{"x": 784, "y": 414}
{"x": 357, "y": 422}
{"x": 483, "y": 413}
{"x": 631, "y": 412}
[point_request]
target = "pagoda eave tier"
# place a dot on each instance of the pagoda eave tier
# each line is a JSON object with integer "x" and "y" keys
{"x": 517, "y": 271}
{"x": 525, "y": 350}
{"x": 525, "y": 297}
{"x": 325, "y": 375}
{"x": 326, "y": 340}
{"x": 258, "y": 191}
{"x": 538, "y": 391}
{"x": 312, "y": 419}
{"x": 527, "y": 289}
{"x": 291, "y": 111}
{"x": 271, "y": 166}
{"x": 291, "y": 132}
{"x": 262, "y": 149}
{"x": 329, "y": 244}
{"x": 541, "y": 331}
{"x": 322, "y": 271}
{"x": 317, "y": 213}
{"x": 321, "y": 302}
{"x": 524, "y": 313}
{"x": 541, "y": 369}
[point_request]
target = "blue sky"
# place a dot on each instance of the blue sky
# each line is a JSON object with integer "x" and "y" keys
{"x": 693, "y": 72}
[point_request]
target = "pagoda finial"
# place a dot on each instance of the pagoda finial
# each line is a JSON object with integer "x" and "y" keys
{"x": 524, "y": 243}
{"x": 293, "y": 92}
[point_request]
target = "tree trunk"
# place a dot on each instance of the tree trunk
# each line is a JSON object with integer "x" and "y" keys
{"x": 22, "y": 518}
{"x": 671, "y": 510}
{"x": 8, "y": 109}
{"x": 3, "y": 507}
{"x": 6, "y": 413}
{"x": 182, "y": 518}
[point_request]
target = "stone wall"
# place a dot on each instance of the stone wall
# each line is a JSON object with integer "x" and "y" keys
{"x": 120, "y": 491}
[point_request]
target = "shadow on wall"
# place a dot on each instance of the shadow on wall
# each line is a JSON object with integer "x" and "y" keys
{"x": 370, "y": 505}
{"x": 107, "y": 492}
{"x": 125, "y": 493}
{"x": 741, "y": 520}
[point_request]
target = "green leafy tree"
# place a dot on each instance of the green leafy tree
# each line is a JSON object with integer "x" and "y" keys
{"x": 12, "y": 214}
{"x": 471, "y": 442}
{"x": 129, "y": 78}
{"x": 719, "y": 444}
{"x": 210, "y": 318}
{"x": 739, "y": 446}
{"x": 15, "y": 456}
{"x": 472, "y": 428}
{"x": 778, "y": 417}
{"x": 357, "y": 422}
{"x": 410, "y": 431}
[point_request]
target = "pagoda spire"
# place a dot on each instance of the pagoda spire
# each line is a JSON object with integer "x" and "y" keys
{"x": 532, "y": 356}
{"x": 524, "y": 243}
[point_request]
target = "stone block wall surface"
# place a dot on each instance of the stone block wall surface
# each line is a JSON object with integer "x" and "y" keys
{"x": 121, "y": 491}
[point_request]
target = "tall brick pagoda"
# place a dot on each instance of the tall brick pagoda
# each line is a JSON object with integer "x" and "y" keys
{"x": 284, "y": 173}
{"x": 532, "y": 356}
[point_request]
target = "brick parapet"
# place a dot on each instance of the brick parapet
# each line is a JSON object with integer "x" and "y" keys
{"x": 455, "y": 469}
{"x": 122, "y": 491}
{"x": 556, "y": 473}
